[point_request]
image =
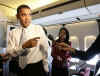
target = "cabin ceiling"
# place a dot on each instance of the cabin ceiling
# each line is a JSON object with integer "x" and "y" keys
{"x": 8, "y": 7}
{"x": 69, "y": 12}
{"x": 48, "y": 12}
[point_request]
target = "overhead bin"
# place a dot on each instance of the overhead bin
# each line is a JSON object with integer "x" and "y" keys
{"x": 60, "y": 7}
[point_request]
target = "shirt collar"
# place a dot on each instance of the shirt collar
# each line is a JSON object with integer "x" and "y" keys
{"x": 26, "y": 27}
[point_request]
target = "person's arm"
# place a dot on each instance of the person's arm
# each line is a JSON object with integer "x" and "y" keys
{"x": 74, "y": 53}
{"x": 4, "y": 58}
{"x": 12, "y": 48}
{"x": 44, "y": 45}
{"x": 84, "y": 55}
{"x": 31, "y": 43}
{"x": 79, "y": 54}
{"x": 65, "y": 47}
{"x": 90, "y": 52}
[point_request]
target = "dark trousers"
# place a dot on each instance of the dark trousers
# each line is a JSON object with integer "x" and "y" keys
{"x": 1, "y": 69}
{"x": 14, "y": 68}
{"x": 59, "y": 71}
{"x": 35, "y": 69}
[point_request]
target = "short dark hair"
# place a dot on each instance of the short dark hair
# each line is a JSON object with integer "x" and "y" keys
{"x": 22, "y": 6}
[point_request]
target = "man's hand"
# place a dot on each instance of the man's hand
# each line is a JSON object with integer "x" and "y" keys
{"x": 5, "y": 57}
{"x": 31, "y": 43}
{"x": 2, "y": 55}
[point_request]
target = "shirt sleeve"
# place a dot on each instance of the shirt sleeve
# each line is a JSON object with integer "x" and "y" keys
{"x": 44, "y": 48}
{"x": 13, "y": 49}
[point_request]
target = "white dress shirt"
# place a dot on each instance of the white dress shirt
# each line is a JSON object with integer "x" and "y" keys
{"x": 36, "y": 54}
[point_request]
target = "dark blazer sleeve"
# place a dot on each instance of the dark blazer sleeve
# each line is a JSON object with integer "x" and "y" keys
{"x": 90, "y": 52}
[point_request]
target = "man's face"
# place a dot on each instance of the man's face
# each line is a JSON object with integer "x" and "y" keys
{"x": 24, "y": 17}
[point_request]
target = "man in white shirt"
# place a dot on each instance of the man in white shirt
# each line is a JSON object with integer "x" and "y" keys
{"x": 33, "y": 41}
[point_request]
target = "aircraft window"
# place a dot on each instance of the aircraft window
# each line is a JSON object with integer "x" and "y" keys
{"x": 88, "y": 40}
{"x": 74, "y": 42}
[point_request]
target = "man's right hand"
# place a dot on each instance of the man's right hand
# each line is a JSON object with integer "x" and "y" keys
{"x": 31, "y": 43}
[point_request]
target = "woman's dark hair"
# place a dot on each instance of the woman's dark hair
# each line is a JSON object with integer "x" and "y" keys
{"x": 67, "y": 34}
{"x": 51, "y": 37}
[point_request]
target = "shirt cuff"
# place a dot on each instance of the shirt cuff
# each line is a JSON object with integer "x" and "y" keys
{"x": 46, "y": 68}
{"x": 45, "y": 65}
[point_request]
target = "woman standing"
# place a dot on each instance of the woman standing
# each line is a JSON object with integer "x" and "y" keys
{"x": 61, "y": 55}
